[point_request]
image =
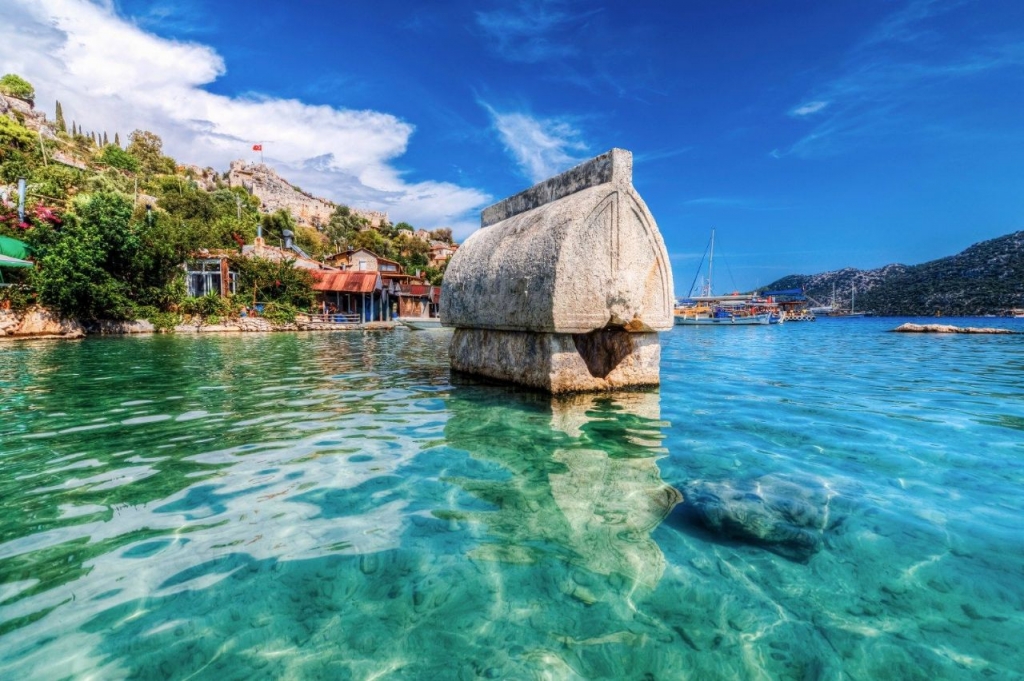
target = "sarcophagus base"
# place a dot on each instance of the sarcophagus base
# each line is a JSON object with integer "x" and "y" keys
{"x": 606, "y": 359}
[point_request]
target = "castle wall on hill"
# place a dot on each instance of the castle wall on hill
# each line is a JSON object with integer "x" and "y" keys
{"x": 275, "y": 194}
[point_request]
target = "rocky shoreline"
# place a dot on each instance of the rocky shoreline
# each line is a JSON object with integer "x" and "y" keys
{"x": 39, "y": 323}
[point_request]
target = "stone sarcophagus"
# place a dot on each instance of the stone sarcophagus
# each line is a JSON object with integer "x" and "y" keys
{"x": 565, "y": 286}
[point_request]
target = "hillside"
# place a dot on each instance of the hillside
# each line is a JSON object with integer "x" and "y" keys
{"x": 986, "y": 278}
{"x": 107, "y": 226}
{"x": 61, "y": 161}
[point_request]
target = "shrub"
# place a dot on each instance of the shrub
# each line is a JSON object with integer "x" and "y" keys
{"x": 17, "y": 297}
{"x": 16, "y": 86}
{"x": 164, "y": 321}
{"x": 117, "y": 157}
{"x": 279, "y": 313}
{"x": 208, "y": 305}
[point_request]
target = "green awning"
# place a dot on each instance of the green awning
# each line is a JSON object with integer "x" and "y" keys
{"x": 7, "y": 261}
{"x": 13, "y": 248}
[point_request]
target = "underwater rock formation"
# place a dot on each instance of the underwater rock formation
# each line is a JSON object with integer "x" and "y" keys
{"x": 785, "y": 517}
{"x": 565, "y": 285}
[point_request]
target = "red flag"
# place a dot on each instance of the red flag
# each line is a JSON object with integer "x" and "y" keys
{"x": 257, "y": 147}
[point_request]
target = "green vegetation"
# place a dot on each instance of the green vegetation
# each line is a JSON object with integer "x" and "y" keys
{"x": 16, "y": 86}
{"x": 116, "y": 157}
{"x": 109, "y": 238}
{"x": 266, "y": 281}
{"x": 987, "y": 278}
{"x": 59, "y": 118}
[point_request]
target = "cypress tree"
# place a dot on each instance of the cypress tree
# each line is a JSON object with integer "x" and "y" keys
{"x": 105, "y": 138}
{"x": 117, "y": 139}
{"x": 74, "y": 128}
{"x": 61, "y": 125}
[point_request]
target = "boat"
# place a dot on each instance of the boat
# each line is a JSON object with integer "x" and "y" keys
{"x": 730, "y": 310}
{"x": 852, "y": 312}
{"x": 420, "y": 323}
{"x": 834, "y": 310}
{"x": 720, "y": 316}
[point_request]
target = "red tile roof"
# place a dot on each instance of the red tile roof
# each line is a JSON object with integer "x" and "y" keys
{"x": 422, "y": 291}
{"x": 345, "y": 281}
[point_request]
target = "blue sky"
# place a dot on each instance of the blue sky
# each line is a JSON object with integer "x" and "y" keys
{"x": 812, "y": 135}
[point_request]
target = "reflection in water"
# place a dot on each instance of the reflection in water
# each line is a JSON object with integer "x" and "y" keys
{"x": 585, "y": 490}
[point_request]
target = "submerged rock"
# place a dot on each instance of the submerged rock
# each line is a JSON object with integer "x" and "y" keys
{"x": 785, "y": 517}
{"x": 947, "y": 328}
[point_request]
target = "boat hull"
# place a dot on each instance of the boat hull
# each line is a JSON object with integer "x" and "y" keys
{"x": 420, "y": 323}
{"x": 752, "y": 320}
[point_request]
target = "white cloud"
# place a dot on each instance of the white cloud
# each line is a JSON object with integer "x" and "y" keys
{"x": 541, "y": 147}
{"x": 111, "y": 75}
{"x": 528, "y": 30}
{"x": 808, "y": 108}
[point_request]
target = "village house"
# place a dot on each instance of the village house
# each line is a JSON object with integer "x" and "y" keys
{"x": 441, "y": 252}
{"x": 208, "y": 271}
{"x": 362, "y": 260}
{"x": 355, "y": 286}
{"x": 418, "y": 300}
{"x": 352, "y": 296}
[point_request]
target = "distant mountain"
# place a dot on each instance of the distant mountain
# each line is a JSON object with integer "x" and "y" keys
{"x": 987, "y": 278}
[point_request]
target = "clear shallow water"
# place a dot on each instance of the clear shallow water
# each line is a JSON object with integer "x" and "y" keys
{"x": 336, "y": 505}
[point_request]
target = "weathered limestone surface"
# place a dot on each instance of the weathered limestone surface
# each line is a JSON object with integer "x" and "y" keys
{"x": 559, "y": 362}
{"x": 565, "y": 286}
{"x": 39, "y": 323}
{"x": 117, "y": 328}
{"x": 276, "y": 193}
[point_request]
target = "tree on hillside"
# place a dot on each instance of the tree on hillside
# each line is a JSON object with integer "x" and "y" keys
{"x": 117, "y": 139}
{"x": 413, "y": 253}
{"x": 343, "y": 226}
{"x": 116, "y": 157}
{"x": 16, "y": 86}
{"x": 374, "y": 241}
{"x": 443, "y": 234}
{"x": 147, "y": 148}
{"x": 59, "y": 116}
{"x": 274, "y": 225}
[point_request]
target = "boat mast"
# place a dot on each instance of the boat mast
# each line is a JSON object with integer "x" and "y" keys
{"x": 711, "y": 260}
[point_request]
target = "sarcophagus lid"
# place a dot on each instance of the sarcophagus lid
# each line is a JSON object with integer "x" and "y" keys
{"x": 573, "y": 254}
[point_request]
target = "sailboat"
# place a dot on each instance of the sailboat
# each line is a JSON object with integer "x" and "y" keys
{"x": 852, "y": 312}
{"x": 708, "y": 309}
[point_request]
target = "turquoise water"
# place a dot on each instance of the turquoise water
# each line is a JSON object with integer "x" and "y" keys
{"x": 338, "y": 506}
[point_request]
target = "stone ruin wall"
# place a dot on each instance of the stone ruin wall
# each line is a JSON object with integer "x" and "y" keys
{"x": 275, "y": 194}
